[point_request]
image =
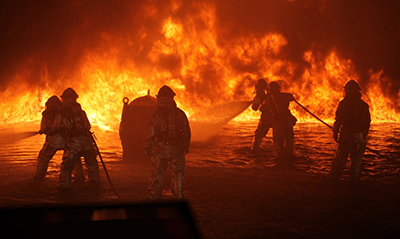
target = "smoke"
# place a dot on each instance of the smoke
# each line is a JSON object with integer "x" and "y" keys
{"x": 364, "y": 31}
{"x": 48, "y": 40}
{"x": 56, "y": 35}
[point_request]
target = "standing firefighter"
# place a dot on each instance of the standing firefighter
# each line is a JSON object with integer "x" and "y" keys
{"x": 168, "y": 143}
{"x": 73, "y": 124}
{"x": 54, "y": 141}
{"x": 282, "y": 124}
{"x": 265, "y": 122}
{"x": 350, "y": 131}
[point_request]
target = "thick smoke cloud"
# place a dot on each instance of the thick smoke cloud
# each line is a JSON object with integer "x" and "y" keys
{"x": 56, "y": 35}
{"x": 367, "y": 32}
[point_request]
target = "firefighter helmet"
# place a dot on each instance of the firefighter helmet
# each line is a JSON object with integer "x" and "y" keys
{"x": 165, "y": 91}
{"x": 53, "y": 101}
{"x": 352, "y": 85}
{"x": 273, "y": 86}
{"x": 69, "y": 93}
{"x": 261, "y": 85}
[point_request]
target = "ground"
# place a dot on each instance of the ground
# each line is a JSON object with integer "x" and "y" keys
{"x": 242, "y": 203}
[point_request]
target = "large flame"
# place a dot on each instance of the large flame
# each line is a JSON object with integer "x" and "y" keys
{"x": 202, "y": 68}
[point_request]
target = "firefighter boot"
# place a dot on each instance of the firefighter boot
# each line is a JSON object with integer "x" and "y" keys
{"x": 255, "y": 148}
{"x": 41, "y": 170}
{"x": 65, "y": 178}
{"x": 177, "y": 186}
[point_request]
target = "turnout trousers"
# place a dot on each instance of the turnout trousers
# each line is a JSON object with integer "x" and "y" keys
{"x": 78, "y": 147}
{"x": 264, "y": 124}
{"x": 283, "y": 144}
{"x": 45, "y": 155}
{"x": 353, "y": 148}
{"x": 160, "y": 165}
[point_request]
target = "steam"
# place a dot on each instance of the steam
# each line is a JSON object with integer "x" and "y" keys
{"x": 45, "y": 44}
{"x": 11, "y": 138}
{"x": 208, "y": 122}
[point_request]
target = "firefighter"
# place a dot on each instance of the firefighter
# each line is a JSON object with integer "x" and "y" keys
{"x": 74, "y": 125}
{"x": 350, "y": 131}
{"x": 53, "y": 143}
{"x": 282, "y": 124}
{"x": 265, "y": 121}
{"x": 167, "y": 142}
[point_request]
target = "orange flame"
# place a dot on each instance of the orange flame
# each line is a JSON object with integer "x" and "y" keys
{"x": 181, "y": 58}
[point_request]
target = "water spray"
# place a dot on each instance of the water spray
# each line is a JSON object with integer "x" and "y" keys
{"x": 304, "y": 108}
{"x": 14, "y": 137}
{"x": 205, "y": 123}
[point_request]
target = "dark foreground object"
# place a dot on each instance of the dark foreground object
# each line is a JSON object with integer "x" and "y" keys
{"x": 163, "y": 220}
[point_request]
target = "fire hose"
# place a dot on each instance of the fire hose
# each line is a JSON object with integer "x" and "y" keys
{"x": 33, "y": 133}
{"x": 304, "y": 108}
{"x": 28, "y": 134}
{"x": 104, "y": 166}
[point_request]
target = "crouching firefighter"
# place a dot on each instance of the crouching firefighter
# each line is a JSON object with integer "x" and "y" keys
{"x": 167, "y": 142}
{"x": 74, "y": 125}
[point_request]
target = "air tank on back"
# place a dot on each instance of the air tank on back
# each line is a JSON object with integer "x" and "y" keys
{"x": 133, "y": 128}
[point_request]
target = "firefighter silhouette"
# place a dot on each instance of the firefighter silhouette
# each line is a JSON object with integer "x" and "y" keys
{"x": 168, "y": 143}
{"x": 73, "y": 124}
{"x": 350, "y": 130}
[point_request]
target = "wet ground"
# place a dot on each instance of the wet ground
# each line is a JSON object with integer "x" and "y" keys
{"x": 314, "y": 148}
{"x": 231, "y": 193}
